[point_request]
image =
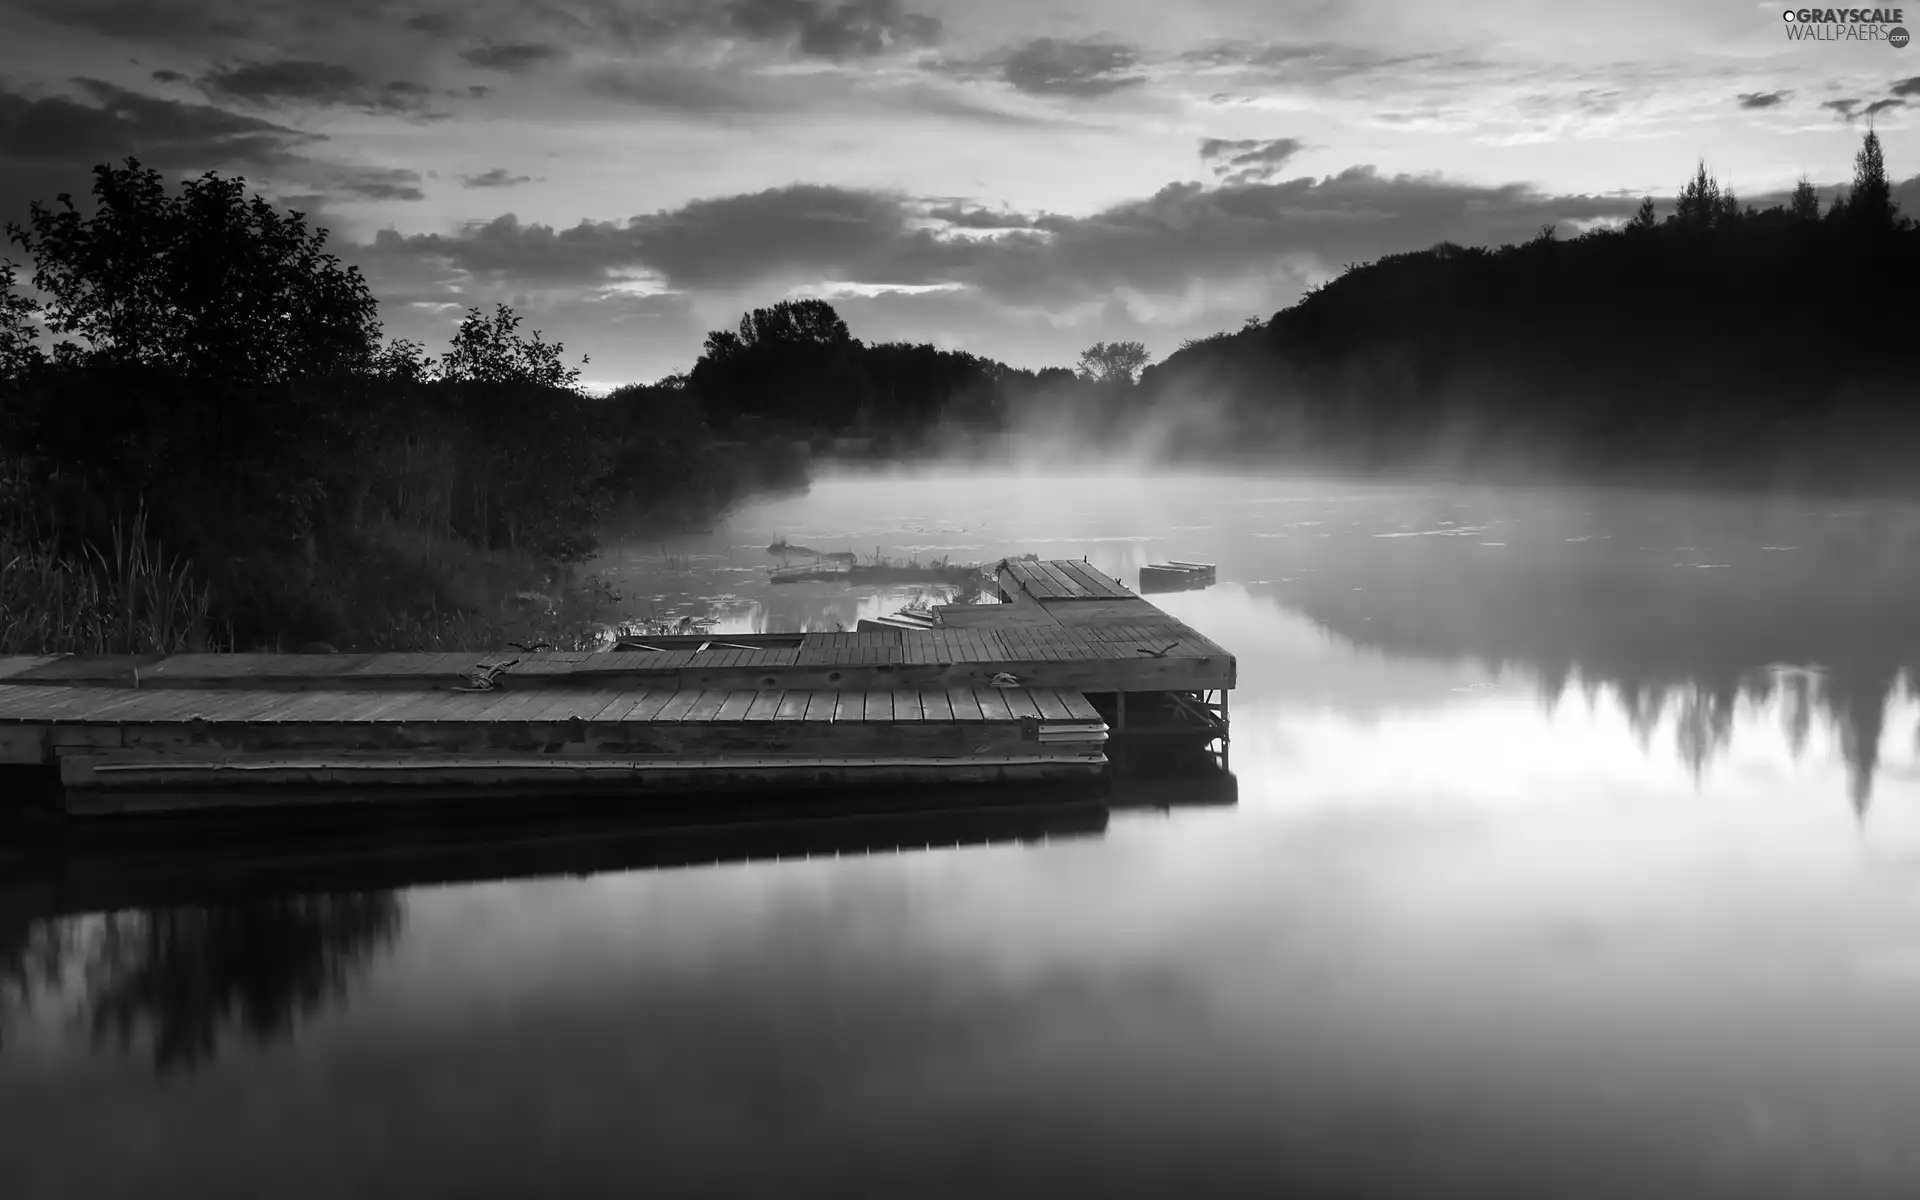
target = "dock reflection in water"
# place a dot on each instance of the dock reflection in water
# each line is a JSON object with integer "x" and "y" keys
{"x": 176, "y": 937}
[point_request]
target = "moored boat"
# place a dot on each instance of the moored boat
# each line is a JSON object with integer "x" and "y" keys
{"x": 1175, "y": 576}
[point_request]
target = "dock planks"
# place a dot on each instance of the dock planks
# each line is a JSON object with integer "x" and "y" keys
{"x": 996, "y": 688}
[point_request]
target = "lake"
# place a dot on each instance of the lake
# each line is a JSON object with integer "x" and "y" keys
{"x": 1573, "y": 849}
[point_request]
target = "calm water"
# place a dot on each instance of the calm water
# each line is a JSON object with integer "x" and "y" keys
{"x": 1576, "y": 853}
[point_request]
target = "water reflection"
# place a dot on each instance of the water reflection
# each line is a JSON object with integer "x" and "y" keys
{"x": 1701, "y": 619}
{"x": 179, "y": 980}
{"x": 1539, "y": 879}
{"x": 248, "y": 927}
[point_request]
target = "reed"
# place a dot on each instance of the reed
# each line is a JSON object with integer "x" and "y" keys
{"x": 123, "y": 598}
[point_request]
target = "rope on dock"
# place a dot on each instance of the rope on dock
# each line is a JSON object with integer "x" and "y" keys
{"x": 486, "y": 676}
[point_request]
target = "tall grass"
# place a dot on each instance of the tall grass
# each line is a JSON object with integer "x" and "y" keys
{"x": 124, "y": 599}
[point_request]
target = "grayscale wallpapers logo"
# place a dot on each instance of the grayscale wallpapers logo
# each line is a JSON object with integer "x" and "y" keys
{"x": 1847, "y": 25}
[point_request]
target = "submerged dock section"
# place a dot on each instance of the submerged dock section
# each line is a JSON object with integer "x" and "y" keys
{"x": 1040, "y": 687}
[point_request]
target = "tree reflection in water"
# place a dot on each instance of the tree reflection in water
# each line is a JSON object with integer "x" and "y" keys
{"x": 182, "y": 978}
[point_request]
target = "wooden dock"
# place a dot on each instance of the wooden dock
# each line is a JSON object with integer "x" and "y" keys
{"x": 1025, "y": 690}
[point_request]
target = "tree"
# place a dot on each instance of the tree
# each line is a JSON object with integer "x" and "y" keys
{"x": 1870, "y": 202}
{"x": 19, "y": 353}
{"x": 1112, "y": 362}
{"x": 1729, "y": 210}
{"x": 493, "y": 351}
{"x": 1805, "y": 203}
{"x": 1699, "y": 205}
{"x": 208, "y": 284}
{"x": 1643, "y": 218}
{"x": 795, "y": 362}
{"x": 534, "y": 463}
{"x": 795, "y": 322}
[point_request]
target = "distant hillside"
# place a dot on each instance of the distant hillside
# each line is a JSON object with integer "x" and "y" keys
{"x": 1720, "y": 340}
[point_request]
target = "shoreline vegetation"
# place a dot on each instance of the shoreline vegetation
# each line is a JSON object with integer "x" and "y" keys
{"x": 879, "y": 569}
{"x": 206, "y": 444}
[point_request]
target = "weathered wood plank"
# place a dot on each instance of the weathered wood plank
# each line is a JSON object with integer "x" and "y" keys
{"x": 27, "y": 698}
{"x": 620, "y": 700}
{"x": 620, "y": 705}
{"x": 792, "y": 706}
{"x": 820, "y": 705}
{"x": 993, "y": 704}
{"x": 1098, "y": 582}
{"x": 879, "y": 706}
{"x": 561, "y": 704}
{"x": 765, "y": 705}
{"x": 906, "y": 706}
{"x": 23, "y": 663}
{"x": 1079, "y": 708}
{"x": 43, "y": 702}
{"x": 293, "y": 706}
{"x": 965, "y": 704}
{"x": 676, "y": 708}
{"x": 485, "y": 706}
{"x": 935, "y": 706}
{"x": 1065, "y": 585}
{"x": 163, "y": 788}
{"x": 738, "y": 702}
{"x": 992, "y": 649}
{"x": 1052, "y": 705}
{"x": 650, "y": 705}
{"x": 1020, "y": 704}
{"x": 708, "y": 706}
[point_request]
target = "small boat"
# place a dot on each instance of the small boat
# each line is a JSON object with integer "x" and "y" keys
{"x": 1174, "y": 576}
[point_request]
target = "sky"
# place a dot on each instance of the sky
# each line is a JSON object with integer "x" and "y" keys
{"x": 1015, "y": 178}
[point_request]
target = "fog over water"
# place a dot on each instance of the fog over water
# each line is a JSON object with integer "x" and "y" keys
{"x": 1576, "y": 853}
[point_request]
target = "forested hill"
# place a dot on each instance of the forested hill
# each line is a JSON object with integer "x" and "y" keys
{"x": 1721, "y": 339}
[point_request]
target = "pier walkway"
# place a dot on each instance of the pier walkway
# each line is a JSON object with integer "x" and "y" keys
{"x": 1029, "y": 689}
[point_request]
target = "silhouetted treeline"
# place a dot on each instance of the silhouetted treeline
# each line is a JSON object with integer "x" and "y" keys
{"x": 1750, "y": 344}
{"x": 217, "y": 388}
{"x": 796, "y": 371}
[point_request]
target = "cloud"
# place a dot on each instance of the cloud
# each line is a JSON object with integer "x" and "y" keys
{"x": 1763, "y": 99}
{"x": 1248, "y": 160}
{"x": 708, "y": 93}
{"x": 498, "y": 177}
{"x": 1051, "y": 67}
{"x": 437, "y": 24}
{"x": 1906, "y": 87}
{"x": 50, "y": 144}
{"x": 162, "y": 133}
{"x": 961, "y": 215}
{"x": 377, "y": 183}
{"x": 857, "y": 29}
{"x": 851, "y": 29}
{"x": 1176, "y": 243}
{"x": 1850, "y": 109}
{"x": 169, "y": 77}
{"x": 167, "y": 21}
{"x": 1317, "y": 64}
{"x": 680, "y": 88}
{"x": 280, "y": 82}
{"x": 513, "y": 57}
